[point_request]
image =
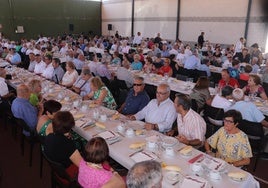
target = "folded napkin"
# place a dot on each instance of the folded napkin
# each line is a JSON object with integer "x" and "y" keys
{"x": 237, "y": 175}
{"x": 100, "y": 125}
{"x": 193, "y": 182}
{"x": 141, "y": 156}
{"x": 79, "y": 123}
{"x": 186, "y": 150}
{"x": 107, "y": 135}
{"x": 137, "y": 145}
{"x": 172, "y": 168}
{"x": 78, "y": 116}
{"x": 216, "y": 164}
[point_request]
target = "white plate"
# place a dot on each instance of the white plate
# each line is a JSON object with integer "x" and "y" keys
{"x": 238, "y": 179}
{"x": 172, "y": 176}
{"x": 169, "y": 141}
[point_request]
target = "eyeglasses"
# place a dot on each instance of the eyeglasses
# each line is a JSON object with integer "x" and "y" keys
{"x": 137, "y": 84}
{"x": 229, "y": 57}
{"x": 161, "y": 93}
{"x": 228, "y": 121}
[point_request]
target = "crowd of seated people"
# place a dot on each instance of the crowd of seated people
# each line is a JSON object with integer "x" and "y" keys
{"x": 166, "y": 59}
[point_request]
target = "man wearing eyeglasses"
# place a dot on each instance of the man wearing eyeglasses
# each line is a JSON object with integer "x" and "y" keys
{"x": 136, "y": 99}
{"x": 159, "y": 113}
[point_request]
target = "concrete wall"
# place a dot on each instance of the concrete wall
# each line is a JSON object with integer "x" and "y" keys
{"x": 223, "y": 21}
{"x": 50, "y": 17}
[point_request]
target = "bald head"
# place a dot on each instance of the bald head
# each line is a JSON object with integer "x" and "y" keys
{"x": 23, "y": 91}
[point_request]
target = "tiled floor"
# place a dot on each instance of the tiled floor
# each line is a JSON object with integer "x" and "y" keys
{"x": 17, "y": 173}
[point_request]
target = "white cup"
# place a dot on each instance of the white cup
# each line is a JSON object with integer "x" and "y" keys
{"x": 215, "y": 175}
{"x": 170, "y": 151}
{"x": 151, "y": 144}
{"x": 196, "y": 167}
{"x": 67, "y": 98}
{"x": 84, "y": 108}
{"x": 76, "y": 103}
{"x": 103, "y": 117}
{"x": 121, "y": 127}
{"x": 130, "y": 132}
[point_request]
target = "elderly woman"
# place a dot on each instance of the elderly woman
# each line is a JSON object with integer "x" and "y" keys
{"x": 101, "y": 94}
{"x": 232, "y": 144}
{"x": 94, "y": 171}
{"x": 35, "y": 89}
{"x": 200, "y": 92}
{"x": 136, "y": 64}
{"x": 166, "y": 68}
{"x": 44, "y": 125}
{"x": 70, "y": 76}
{"x": 254, "y": 87}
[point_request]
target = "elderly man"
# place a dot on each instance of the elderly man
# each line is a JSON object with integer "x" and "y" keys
{"x": 32, "y": 62}
{"x": 191, "y": 126}
{"x": 145, "y": 174}
{"x": 13, "y": 57}
{"x": 22, "y": 108}
{"x": 79, "y": 62}
{"x": 226, "y": 80}
{"x": 222, "y": 101}
{"x": 82, "y": 84}
{"x": 248, "y": 110}
{"x": 40, "y": 65}
{"x": 124, "y": 74}
{"x": 58, "y": 71}
{"x": 159, "y": 113}
{"x": 136, "y": 99}
{"x": 48, "y": 71}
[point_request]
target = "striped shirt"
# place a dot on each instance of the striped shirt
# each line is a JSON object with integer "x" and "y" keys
{"x": 192, "y": 126}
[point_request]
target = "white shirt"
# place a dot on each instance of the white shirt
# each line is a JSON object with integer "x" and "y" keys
{"x": 69, "y": 78}
{"x": 93, "y": 67}
{"x": 3, "y": 87}
{"x": 226, "y": 64}
{"x": 39, "y": 67}
{"x": 48, "y": 71}
{"x": 163, "y": 115}
{"x": 31, "y": 66}
{"x": 124, "y": 74}
{"x": 221, "y": 102}
{"x": 173, "y": 51}
{"x": 137, "y": 39}
{"x": 192, "y": 126}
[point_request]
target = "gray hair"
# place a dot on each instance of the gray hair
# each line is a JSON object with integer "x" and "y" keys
{"x": 145, "y": 174}
{"x": 165, "y": 86}
{"x": 86, "y": 71}
{"x": 238, "y": 94}
{"x": 139, "y": 78}
{"x": 184, "y": 100}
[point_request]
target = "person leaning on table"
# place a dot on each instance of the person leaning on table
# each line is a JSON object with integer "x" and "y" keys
{"x": 159, "y": 113}
{"x": 232, "y": 144}
{"x": 191, "y": 126}
{"x": 145, "y": 174}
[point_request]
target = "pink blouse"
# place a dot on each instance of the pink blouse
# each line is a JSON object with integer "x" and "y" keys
{"x": 89, "y": 177}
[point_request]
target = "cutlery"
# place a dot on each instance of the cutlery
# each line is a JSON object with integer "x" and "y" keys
{"x": 89, "y": 126}
{"x": 140, "y": 150}
{"x": 114, "y": 142}
{"x": 120, "y": 134}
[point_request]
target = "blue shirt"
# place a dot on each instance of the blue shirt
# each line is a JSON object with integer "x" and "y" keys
{"x": 16, "y": 59}
{"x": 136, "y": 65}
{"x": 22, "y": 108}
{"x": 204, "y": 67}
{"x": 134, "y": 104}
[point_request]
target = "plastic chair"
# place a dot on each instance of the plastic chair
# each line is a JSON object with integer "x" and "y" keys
{"x": 255, "y": 133}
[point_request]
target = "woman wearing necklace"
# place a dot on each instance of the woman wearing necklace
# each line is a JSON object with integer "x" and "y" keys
{"x": 254, "y": 87}
{"x": 93, "y": 172}
{"x": 231, "y": 143}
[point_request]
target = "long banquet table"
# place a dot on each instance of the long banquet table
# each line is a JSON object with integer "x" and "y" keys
{"x": 88, "y": 116}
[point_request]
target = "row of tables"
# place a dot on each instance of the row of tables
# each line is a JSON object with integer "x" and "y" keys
{"x": 92, "y": 120}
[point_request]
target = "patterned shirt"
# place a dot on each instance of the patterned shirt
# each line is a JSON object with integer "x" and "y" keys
{"x": 231, "y": 147}
{"x": 108, "y": 101}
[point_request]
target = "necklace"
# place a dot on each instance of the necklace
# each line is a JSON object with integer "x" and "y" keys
{"x": 94, "y": 165}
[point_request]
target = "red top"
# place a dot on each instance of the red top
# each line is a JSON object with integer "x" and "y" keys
{"x": 164, "y": 69}
{"x": 232, "y": 82}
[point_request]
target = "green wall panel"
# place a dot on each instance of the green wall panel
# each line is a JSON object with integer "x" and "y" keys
{"x": 49, "y": 17}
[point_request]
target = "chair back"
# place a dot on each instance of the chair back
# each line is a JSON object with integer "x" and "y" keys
{"x": 242, "y": 83}
{"x": 60, "y": 174}
{"x": 213, "y": 115}
{"x": 21, "y": 123}
{"x": 194, "y": 105}
{"x": 255, "y": 133}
